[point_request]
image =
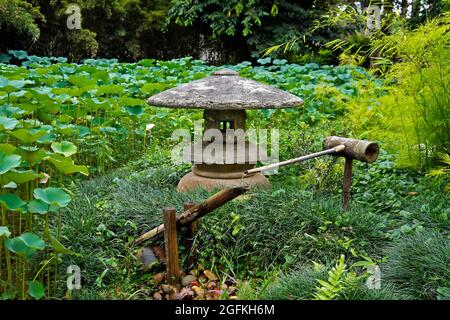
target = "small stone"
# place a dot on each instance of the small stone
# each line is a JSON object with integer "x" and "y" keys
{"x": 157, "y": 296}
{"x": 211, "y": 276}
{"x": 211, "y": 285}
{"x": 194, "y": 283}
{"x": 158, "y": 278}
{"x": 185, "y": 294}
{"x": 215, "y": 292}
{"x": 213, "y": 295}
{"x": 199, "y": 292}
{"x": 230, "y": 281}
{"x": 167, "y": 288}
{"x": 173, "y": 294}
{"x": 160, "y": 253}
{"x": 148, "y": 258}
{"x": 224, "y": 286}
{"x": 188, "y": 279}
{"x": 231, "y": 290}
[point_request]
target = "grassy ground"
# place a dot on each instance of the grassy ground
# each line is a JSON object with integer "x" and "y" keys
{"x": 277, "y": 242}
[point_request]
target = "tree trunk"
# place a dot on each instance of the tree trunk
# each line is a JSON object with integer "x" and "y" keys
{"x": 415, "y": 12}
{"x": 404, "y": 8}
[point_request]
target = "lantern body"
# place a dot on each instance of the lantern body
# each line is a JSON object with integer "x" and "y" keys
{"x": 221, "y": 157}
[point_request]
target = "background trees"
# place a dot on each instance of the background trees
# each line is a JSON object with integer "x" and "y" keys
{"x": 219, "y": 31}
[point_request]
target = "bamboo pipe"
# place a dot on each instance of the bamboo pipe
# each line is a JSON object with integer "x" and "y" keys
{"x": 361, "y": 150}
{"x": 291, "y": 161}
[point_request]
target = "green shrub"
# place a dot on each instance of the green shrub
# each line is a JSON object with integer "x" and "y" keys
{"x": 20, "y": 16}
{"x": 413, "y": 118}
{"x": 419, "y": 264}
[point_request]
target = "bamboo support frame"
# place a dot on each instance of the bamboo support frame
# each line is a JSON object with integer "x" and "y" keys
{"x": 347, "y": 183}
{"x": 171, "y": 244}
{"x": 192, "y": 229}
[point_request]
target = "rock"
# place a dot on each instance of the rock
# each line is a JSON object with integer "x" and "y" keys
{"x": 157, "y": 296}
{"x": 188, "y": 279}
{"x": 159, "y": 252}
{"x": 213, "y": 295}
{"x": 211, "y": 285}
{"x": 173, "y": 294}
{"x": 148, "y": 258}
{"x": 167, "y": 288}
{"x": 230, "y": 281}
{"x": 194, "y": 283}
{"x": 215, "y": 292}
{"x": 199, "y": 291}
{"x": 211, "y": 276}
{"x": 185, "y": 294}
{"x": 232, "y": 290}
{"x": 158, "y": 278}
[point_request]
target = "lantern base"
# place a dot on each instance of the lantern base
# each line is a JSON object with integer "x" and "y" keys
{"x": 191, "y": 181}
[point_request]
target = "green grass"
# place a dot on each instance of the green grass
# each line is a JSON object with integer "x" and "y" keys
{"x": 301, "y": 284}
{"x": 296, "y": 285}
{"x": 419, "y": 264}
{"x": 280, "y": 230}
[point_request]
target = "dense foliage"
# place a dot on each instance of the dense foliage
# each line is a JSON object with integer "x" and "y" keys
{"x": 220, "y": 31}
{"x": 85, "y": 163}
{"x": 414, "y": 115}
{"x": 63, "y": 119}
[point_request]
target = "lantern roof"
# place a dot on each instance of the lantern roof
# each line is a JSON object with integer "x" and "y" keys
{"x": 225, "y": 90}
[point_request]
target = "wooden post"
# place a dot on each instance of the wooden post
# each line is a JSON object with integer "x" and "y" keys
{"x": 347, "y": 183}
{"x": 192, "y": 231}
{"x": 171, "y": 245}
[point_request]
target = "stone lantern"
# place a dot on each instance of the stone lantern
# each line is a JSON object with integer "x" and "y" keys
{"x": 224, "y": 97}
